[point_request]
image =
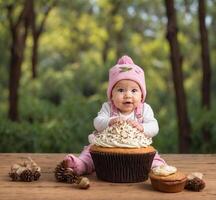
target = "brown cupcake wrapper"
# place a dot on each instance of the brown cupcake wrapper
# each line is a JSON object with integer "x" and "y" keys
{"x": 122, "y": 168}
{"x": 176, "y": 186}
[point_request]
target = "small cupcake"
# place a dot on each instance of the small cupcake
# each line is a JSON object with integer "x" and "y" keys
{"x": 122, "y": 154}
{"x": 167, "y": 179}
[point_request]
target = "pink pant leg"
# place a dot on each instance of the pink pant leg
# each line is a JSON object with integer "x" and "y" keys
{"x": 85, "y": 156}
{"x": 157, "y": 161}
{"x": 82, "y": 164}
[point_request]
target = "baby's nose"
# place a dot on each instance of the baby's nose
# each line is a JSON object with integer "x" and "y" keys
{"x": 128, "y": 94}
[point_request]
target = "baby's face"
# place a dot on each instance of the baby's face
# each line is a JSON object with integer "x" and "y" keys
{"x": 126, "y": 96}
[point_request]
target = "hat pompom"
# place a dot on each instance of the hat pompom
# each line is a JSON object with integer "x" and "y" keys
{"x": 125, "y": 60}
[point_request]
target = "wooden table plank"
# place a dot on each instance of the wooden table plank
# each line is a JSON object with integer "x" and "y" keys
{"x": 47, "y": 188}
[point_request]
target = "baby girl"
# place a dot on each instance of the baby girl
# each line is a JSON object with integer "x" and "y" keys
{"x": 126, "y": 101}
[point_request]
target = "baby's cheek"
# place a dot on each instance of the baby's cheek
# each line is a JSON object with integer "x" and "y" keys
{"x": 137, "y": 103}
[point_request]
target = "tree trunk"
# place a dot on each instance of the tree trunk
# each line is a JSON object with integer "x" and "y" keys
{"x": 37, "y": 31}
{"x": 34, "y": 58}
{"x": 14, "y": 77}
{"x": 206, "y": 68}
{"x": 176, "y": 62}
{"x": 35, "y": 36}
{"x": 19, "y": 31}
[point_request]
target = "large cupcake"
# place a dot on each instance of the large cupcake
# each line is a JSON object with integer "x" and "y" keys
{"x": 122, "y": 154}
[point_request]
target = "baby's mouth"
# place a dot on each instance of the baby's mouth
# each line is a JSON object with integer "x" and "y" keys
{"x": 127, "y": 103}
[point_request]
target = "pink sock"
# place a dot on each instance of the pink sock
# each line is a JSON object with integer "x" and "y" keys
{"x": 158, "y": 161}
{"x": 75, "y": 163}
{"x": 82, "y": 164}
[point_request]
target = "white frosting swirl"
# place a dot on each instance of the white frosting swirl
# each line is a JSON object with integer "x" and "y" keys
{"x": 164, "y": 170}
{"x": 121, "y": 135}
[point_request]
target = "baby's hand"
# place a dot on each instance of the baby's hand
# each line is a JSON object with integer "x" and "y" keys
{"x": 135, "y": 124}
{"x": 115, "y": 120}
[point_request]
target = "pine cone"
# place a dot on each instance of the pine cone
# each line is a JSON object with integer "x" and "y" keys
{"x": 14, "y": 176}
{"x": 27, "y": 176}
{"x": 195, "y": 184}
{"x": 26, "y": 171}
{"x": 71, "y": 177}
{"x": 60, "y": 173}
{"x": 36, "y": 175}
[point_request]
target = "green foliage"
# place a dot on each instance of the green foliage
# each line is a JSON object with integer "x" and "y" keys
{"x": 203, "y": 118}
{"x": 80, "y": 42}
{"x": 46, "y": 128}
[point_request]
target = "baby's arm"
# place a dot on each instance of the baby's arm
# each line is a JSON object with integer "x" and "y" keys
{"x": 150, "y": 124}
{"x": 103, "y": 119}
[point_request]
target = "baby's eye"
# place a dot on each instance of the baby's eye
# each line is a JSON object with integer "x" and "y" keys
{"x": 120, "y": 90}
{"x": 134, "y": 90}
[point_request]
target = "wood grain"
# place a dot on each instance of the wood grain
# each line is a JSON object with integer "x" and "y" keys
{"x": 47, "y": 188}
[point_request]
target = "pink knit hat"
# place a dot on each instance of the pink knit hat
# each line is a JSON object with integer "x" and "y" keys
{"x": 126, "y": 69}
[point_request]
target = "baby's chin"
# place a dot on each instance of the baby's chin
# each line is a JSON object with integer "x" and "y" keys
{"x": 126, "y": 111}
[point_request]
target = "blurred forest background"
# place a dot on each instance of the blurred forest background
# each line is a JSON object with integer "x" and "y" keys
{"x": 55, "y": 57}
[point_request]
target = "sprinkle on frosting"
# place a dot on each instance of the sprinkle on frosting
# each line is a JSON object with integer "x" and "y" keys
{"x": 164, "y": 170}
{"x": 121, "y": 135}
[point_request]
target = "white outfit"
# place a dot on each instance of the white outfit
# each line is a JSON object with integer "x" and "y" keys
{"x": 150, "y": 124}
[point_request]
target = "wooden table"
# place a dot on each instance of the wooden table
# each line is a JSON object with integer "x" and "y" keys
{"x": 47, "y": 188}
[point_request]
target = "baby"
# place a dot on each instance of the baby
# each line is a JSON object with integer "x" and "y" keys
{"x": 126, "y": 102}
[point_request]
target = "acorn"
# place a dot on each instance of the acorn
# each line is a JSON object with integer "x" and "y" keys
{"x": 83, "y": 183}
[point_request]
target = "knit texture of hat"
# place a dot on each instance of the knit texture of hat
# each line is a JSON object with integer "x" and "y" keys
{"x": 125, "y": 69}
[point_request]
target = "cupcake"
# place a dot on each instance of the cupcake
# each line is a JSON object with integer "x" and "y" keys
{"x": 167, "y": 179}
{"x": 122, "y": 154}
